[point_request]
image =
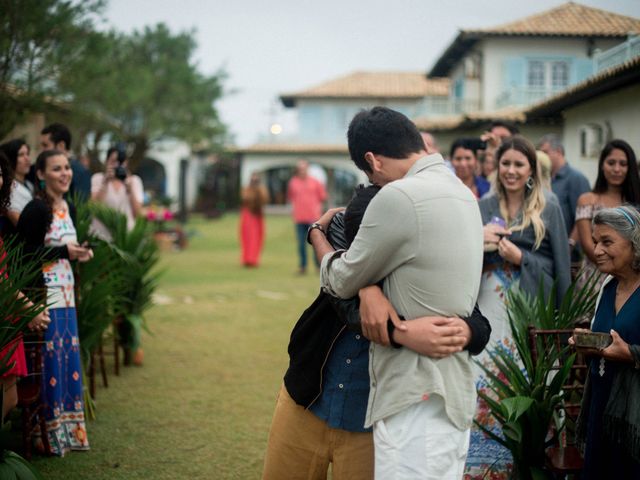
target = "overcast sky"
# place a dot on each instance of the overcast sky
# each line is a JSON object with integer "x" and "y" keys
{"x": 272, "y": 47}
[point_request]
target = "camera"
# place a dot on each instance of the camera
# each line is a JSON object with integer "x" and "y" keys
{"x": 120, "y": 173}
{"x": 475, "y": 144}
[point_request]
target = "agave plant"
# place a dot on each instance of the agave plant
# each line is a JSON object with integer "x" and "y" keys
{"x": 526, "y": 393}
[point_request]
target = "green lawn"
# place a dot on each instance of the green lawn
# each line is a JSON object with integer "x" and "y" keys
{"x": 202, "y": 404}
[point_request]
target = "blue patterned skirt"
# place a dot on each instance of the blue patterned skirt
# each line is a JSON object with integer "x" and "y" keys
{"x": 62, "y": 383}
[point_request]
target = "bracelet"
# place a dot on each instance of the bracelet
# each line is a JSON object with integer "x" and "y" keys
{"x": 390, "y": 329}
{"x": 314, "y": 226}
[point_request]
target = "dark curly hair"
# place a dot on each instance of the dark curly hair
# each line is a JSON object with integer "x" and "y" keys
{"x": 7, "y": 179}
{"x": 11, "y": 149}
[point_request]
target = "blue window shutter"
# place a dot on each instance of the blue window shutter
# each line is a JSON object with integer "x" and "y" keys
{"x": 515, "y": 72}
{"x": 583, "y": 68}
{"x": 458, "y": 88}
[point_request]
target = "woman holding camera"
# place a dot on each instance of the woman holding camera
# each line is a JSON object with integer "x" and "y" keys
{"x": 46, "y": 225}
{"x": 526, "y": 246}
{"x": 117, "y": 188}
{"x": 609, "y": 420}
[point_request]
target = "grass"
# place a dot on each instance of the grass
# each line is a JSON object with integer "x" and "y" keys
{"x": 201, "y": 406}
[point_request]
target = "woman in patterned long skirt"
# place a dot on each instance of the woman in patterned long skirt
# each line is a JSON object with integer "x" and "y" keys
{"x": 46, "y": 225}
{"x": 526, "y": 243}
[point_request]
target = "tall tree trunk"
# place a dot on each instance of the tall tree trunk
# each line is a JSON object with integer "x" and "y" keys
{"x": 140, "y": 147}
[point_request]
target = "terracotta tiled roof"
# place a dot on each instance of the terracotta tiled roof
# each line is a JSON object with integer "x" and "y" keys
{"x": 569, "y": 19}
{"x": 471, "y": 119}
{"x": 374, "y": 85}
{"x": 294, "y": 148}
{"x": 619, "y": 76}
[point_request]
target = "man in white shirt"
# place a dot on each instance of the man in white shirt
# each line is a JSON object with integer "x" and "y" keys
{"x": 422, "y": 233}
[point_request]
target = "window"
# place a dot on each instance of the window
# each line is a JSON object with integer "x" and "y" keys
{"x": 536, "y": 73}
{"x": 548, "y": 75}
{"x": 592, "y": 139}
{"x": 559, "y": 75}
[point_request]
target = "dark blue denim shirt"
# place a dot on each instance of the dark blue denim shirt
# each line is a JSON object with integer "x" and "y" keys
{"x": 345, "y": 385}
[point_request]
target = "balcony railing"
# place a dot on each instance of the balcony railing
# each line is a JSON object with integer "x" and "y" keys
{"x": 617, "y": 55}
{"x": 523, "y": 96}
{"x": 437, "y": 106}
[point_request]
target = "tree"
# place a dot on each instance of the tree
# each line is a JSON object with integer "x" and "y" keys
{"x": 36, "y": 38}
{"x": 142, "y": 88}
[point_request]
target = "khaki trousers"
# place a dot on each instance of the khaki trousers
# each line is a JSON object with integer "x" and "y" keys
{"x": 301, "y": 446}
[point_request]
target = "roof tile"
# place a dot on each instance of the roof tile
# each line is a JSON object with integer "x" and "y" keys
{"x": 374, "y": 85}
{"x": 569, "y": 19}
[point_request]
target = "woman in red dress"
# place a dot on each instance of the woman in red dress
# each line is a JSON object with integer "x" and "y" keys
{"x": 17, "y": 360}
{"x": 254, "y": 197}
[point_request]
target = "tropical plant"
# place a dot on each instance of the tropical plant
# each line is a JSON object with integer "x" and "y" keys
{"x": 17, "y": 312}
{"x": 525, "y": 394}
{"x": 138, "y": 256}
{"x": 14, "y": 305}
{"x": 99, "y": 285}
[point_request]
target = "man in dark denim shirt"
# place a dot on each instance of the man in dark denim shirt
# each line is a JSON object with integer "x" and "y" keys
{"x": 319, "y": 418}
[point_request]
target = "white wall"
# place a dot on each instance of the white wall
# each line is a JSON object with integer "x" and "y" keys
{"x": 619, "y": 110}
{"x": 253, "y": 162}
{"x": 169, "y": 153}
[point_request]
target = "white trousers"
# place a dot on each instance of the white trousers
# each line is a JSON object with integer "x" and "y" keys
{"x": 420, "y": 443}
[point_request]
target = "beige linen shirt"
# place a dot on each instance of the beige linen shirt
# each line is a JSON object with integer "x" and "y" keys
{"x": 423, "y": 234}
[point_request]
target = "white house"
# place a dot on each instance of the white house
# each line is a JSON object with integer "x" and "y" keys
{"x": 324, "y": 112}
{"x": 495, "y": 73}
{"x": 599, "y": 109}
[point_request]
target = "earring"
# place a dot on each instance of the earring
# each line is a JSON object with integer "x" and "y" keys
{"x": 41, "y": 184}
{"x": 529, "y": 183}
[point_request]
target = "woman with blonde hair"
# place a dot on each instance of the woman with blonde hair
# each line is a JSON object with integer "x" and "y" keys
{"x": 526, "y": 246}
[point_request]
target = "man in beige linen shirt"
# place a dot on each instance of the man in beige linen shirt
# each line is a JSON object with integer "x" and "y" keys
{"x": 422, "y": 233}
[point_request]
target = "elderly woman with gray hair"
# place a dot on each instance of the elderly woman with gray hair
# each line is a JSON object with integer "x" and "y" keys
{"x": 610, "y": 418}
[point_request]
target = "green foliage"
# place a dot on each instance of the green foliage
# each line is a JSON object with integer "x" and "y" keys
{"x": 136, "y": 88}
{"x": 525, "y": 401}
{"x": 137, "y": 256}
{"x": 99, "y": 286}
{"x": 36, "y": 38}
{"x": 17, "y": 310}
{"x": 143, "y": 87}
{"x": 13, "y": 466}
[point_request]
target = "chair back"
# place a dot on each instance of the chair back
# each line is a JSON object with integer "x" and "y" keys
{"x": 555, "y": 341}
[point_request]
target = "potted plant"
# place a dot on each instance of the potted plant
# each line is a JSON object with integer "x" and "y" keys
{"x": 525, "y": 395}
{"x": 137, "y": 255}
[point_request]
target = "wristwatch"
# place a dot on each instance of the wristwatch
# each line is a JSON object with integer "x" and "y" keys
{"x": 314, "y": 226}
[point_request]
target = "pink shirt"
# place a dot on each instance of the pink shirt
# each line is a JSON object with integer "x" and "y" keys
{"x": 306, "y": 195}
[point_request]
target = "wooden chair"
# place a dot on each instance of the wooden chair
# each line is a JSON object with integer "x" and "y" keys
{"x": 99, "y": 353}
{"x": 30, "y": 398}
{"x": 565, "y": 458}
